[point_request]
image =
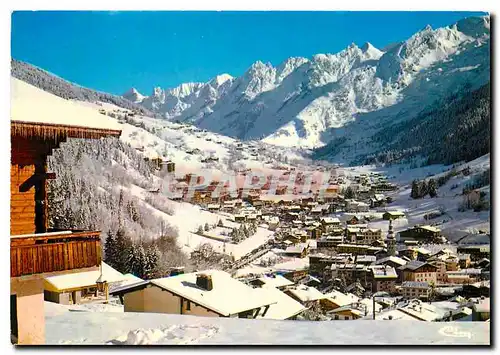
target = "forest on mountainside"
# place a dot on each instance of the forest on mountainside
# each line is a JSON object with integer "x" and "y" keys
{"x": 455, "y": 129}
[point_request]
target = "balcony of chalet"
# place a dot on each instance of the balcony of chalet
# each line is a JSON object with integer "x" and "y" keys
{"x": 54, "y": 251}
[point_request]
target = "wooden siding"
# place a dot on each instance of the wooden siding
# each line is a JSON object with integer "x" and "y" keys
{"x": 42, "y": 254}
{"x": 22, "y": 200}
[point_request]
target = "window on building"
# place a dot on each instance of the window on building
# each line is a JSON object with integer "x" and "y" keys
{"x": 336, "y": 317}
{"x": 188, "y": 306}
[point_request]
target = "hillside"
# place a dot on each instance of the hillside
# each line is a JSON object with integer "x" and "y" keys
{"x": 454, "y": 129}
{"x": 309, "y": 101}
{"x": 63, "y": 88}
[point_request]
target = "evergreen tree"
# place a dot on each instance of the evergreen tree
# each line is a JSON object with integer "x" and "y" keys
{"x": 110, "y": 251}
{"x": 152, "y": 266}
{"x": 137, "y": 260}
{"x": 415, "y": 189}
{"x": 207, "y": 227}
{"x": 432, "y": 187}
{"x": 123, "y": 246}
{"x": 423, "y": 189}
{"x": 220, "y": 223}
{"x": 349, "y": 193}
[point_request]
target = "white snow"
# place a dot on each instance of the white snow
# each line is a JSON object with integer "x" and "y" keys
{"x": 241, "y": 297}
{"x": 92, "y": 328}
{"x": 85, "y": 279}
{"x": 32, "y": 105}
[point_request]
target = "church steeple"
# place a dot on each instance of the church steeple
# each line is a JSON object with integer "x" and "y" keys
{"x": 391, "y": 241}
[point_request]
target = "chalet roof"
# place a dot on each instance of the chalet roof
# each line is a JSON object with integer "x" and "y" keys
{"x": 128, "y": 279}
{"x": 329, "y": 220}
{"x": 228, "y": 296}
{"x": 415, "y": 284}
{"x": 395, "y": 213}
{"x": 275, "y": 280}
{"x": 341, "y": 299}
{"x": 306, "y": 293}
{"x": 284, "y": 307}
{"x": 430, "y": 228}
{"x": 299, "y": 248}
{"x": 414, "y": 265}
{"x": 380, "y": 271}
{"x": 84, "y": 279}
{"x": 35, "y": 112}
{"x": 393, "y": 259}
{"x": 422, "y": 311}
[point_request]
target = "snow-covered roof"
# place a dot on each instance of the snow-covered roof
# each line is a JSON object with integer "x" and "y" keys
{"x": 228, "y": 296}
{"x": 284, "y": 307}
{"x": 422, "y": 311}
{"x": 128, "y": 279}
{"x": 329, "y": 220}
{"x": 380, "y": 271}
{"x": 275, "y": 280}
{"x": 340, "y": 298}
{"x": 482, "y": 306}
{"x": 33, "y": 106}
{"x": 83, "y": 279}
{"x": 306, "y": 293}
{"x": 394, "y": 259}
{"x": 395, "y": 213}
{"x": 415, "y": 284}
{"x": 431, "y": 228}
{"x": 299, "y": 248}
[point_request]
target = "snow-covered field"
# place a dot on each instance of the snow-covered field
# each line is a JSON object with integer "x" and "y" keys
{"x": 95, "y": 328}
{"x": 456, "y": 224}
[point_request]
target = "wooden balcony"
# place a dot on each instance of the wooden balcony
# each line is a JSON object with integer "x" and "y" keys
{"x": 54, "y": 251}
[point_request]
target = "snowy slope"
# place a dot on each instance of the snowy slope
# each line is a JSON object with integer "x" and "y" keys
{"x": 453, "y": 224}
{"x": 304, "y": 102}
{"x": 98, "y": 328}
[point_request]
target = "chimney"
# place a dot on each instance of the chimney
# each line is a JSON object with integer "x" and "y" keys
{"x": 204, "y": 281}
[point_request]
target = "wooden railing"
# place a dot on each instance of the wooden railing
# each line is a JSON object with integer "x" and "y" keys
{"x": 52, "y": 252}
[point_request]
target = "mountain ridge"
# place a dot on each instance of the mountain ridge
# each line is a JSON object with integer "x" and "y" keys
{"x": 302, "y": 101}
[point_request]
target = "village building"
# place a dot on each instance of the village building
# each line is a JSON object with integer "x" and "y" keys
{"x": 415, "y": 289}
{"x": 392, "y": 261}
{"x": 481, "y": 310}
{"x": 40, "y": 122}
{"x": 420, "y": 310}
{"x": 372, "y": 235}
{"x": 392, "y": 215}
{"x": 419, "y": 271}
{"x": 355, "y": 249}
{"x": 384, "y": 278}
{"x": 356, "y": 206}
{"x": 421, "y": 234}
{"x": 378, "y": 200}
{"x": 298, "y": 251}
{"x": 329, "y": 242}
{"x": 336, "y": 299}
{"x": 284, "y": 306}
{"x": 80, "y": 287}
{"x": 306, "y": 295}
{"x": 354, "y": 234}
{"x": 211, "y": 293}
{"x": 464, "y": 260}
{"x": 355, "y": 220}
{"x": 441, "y": 276}
{"x": 476, "y": 252}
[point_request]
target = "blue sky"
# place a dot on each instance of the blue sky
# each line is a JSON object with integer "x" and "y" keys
{"x": 113, "y": 51}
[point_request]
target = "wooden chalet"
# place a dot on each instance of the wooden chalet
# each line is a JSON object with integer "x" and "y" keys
{"x": 40, "y": 122}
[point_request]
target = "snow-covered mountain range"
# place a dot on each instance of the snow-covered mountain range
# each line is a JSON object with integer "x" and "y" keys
{"x": 307, "y": 102}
